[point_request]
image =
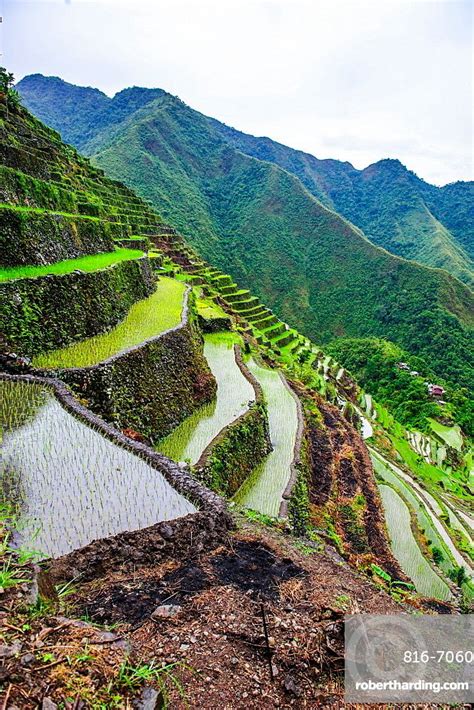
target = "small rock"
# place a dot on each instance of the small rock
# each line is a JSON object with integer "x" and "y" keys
{"x": 27, "y": 659}
{"x": 165, "y": 611}
{"x": 124, "y": 645}
{"x": 184, "y": 647}
{"x": 9, "y": 651}
{"x": 234, "y": 660}
{"x": 166, "y": 531}
{"x": 48, "y": 704}
{"x": 291, "y": 686}
{"x": 107, "y": 636}
{"x": 150, "y": 699}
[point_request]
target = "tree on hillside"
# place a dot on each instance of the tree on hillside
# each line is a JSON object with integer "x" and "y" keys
{"x": 7, "y": 92}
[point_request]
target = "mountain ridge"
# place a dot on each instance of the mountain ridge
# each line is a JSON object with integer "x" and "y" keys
{"x": 345, "y": 188}
{"x": 260, "y": 222}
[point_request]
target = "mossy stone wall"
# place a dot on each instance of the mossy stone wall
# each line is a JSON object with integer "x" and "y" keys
{"x": 151, "y": 388}
{"x": 43, "y": 238}
{"x": 214, "y": 325}
{"x": 234, "y": 453}
{"x": 49, "y": 312}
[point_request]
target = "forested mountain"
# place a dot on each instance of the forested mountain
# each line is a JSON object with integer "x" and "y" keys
{"x": 394, "y": 208}
{"x": 261, "y": 223}
{"x": 80, "y": 111}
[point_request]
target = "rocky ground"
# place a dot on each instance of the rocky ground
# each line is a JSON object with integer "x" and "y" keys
{"x": 254, "y": 622}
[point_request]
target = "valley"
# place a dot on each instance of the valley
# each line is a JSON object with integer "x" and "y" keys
{"x": 183, "y": 455}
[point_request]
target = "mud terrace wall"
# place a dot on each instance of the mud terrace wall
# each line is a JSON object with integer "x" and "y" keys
{"x": 238, "y": 448}
{"x": 49, "y": 312}
{"x": 150, "y": 388}
{"x": 173, "y": 538}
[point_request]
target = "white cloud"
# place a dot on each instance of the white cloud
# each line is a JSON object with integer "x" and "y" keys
{"x": 355, "y": 80}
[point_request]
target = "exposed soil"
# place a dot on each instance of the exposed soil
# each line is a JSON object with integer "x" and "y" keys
{"x": 249, "y": 566}
{"x": 212, "y": 629}
{"x": 341, "y": 470}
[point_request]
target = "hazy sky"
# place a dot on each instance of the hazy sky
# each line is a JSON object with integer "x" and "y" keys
{"x": 356, "y": 80}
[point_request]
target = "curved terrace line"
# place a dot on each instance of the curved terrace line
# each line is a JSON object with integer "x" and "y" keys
{"x": 73, "y": 484}
{"x": 64, "y": 358}
{"x": 426, "y": 499}
{"x": 269, "y": 487}
{"x": 405, "y": 547}
{"x": 205, "y": 502}
{"x": 195, "y": 438}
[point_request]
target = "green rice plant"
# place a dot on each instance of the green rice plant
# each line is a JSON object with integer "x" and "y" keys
{"x": 145, "y": 320}
{"x": 93, "y": 262}
{"x": 234, "y": 392}
{"x": 264, "y": 488}
{"x": 405, "y": 547}
{"x": 73, "y": 484}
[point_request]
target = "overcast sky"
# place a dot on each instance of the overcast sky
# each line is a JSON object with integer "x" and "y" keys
{"x": 357, "y": 80}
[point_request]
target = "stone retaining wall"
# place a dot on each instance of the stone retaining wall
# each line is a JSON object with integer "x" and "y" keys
{"x": 49, "y": 312}
{"x": 238, "y": 448}
{"x": 46, "y": 237}
{"x": 150, "y": 388}
{"x": 170, "y": 539}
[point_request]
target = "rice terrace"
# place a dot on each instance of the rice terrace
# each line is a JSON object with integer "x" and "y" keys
{"x": 234, "y": 407}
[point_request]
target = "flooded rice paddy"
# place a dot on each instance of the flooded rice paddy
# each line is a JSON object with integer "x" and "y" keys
{"x": 405, "y": 547}
{"x": 234, "y": 392}
{"x": 145, "y": 320}
{"x": 264, "y": 488}
{"x": 68, "y": 483}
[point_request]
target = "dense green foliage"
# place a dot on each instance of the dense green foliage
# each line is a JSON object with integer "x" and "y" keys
{"x": 97, "y": 110}
{"x": 258, "y": 222}
{"x": 11, "y": 95}
{"x": 393, "y": 207}
{"x": 373, "y": 363}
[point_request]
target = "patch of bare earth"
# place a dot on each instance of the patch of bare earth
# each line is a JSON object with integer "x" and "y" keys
{"x": 253, "y": 623}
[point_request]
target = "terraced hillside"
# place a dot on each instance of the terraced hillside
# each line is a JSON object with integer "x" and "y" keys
{"x": 147, "y": 402}
{"x": 259, "y": 222}
{"x": 150, "y": 372}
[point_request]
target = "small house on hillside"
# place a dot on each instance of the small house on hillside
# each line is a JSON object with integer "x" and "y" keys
{"x": 435, "y": 390}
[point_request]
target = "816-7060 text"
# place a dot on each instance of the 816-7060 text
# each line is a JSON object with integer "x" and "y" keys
{"x": 438, "y": 657}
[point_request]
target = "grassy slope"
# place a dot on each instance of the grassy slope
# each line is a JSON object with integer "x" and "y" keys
{"x": 259, "y": 223}
{"x": 394, "y": 208}
{"x": 145, "y": 320}
{"x": 83, "y": 263}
